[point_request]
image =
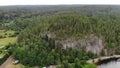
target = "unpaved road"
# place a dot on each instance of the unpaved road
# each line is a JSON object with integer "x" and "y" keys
{"x": 7, "y": 63}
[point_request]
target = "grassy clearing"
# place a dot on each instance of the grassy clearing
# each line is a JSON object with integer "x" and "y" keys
{"x": 3, "y": 54}
{"x": 4, "y": 33}
{"x": 6, "y": 41}
{"x": 21, "y": 66}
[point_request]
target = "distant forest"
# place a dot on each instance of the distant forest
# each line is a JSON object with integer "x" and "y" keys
{"x": 41, "y": 31}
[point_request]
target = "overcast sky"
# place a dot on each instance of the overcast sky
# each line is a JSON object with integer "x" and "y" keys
{"x": 56, "y": 2}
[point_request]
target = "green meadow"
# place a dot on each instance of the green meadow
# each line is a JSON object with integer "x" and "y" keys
{"x": 6, "y": 41}
{"x": 8, "y": 33}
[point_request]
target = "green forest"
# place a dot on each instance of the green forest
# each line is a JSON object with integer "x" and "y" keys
{"x": 51, "y": 35}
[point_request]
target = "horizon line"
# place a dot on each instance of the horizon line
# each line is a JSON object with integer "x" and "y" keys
{"x": 52, "y": 4}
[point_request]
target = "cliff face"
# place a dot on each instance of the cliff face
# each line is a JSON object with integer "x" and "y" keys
{"x": 92, "y": 44}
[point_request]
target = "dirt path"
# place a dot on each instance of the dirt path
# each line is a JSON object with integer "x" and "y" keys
{"x": 102, "y": 58}
{"x": 7, "y": 63}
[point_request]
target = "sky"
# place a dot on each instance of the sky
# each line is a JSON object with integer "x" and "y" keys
{"x": 56, "y": 2}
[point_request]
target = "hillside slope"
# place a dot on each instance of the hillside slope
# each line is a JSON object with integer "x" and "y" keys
{"x": 50, "y": 38}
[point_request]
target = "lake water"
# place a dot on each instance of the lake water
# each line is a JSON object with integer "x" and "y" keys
{"x": 110, "y": 64}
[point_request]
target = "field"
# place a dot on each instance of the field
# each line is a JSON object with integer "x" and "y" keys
{"x": 6, "y": 41}
{"x": 5, "y": 37}
{"x": 8, "y": 33}
{"x": 3, "y": 54}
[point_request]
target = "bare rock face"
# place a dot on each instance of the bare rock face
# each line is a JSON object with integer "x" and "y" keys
{"x": 91, "y": 43}
{"x": 94, "y": 45}
{"x": 69, "y": 43}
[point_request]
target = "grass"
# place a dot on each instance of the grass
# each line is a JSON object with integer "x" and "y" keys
{"x": 6, "y": 33}
{"x": 3, "y": 54}
{"x": 21, "y": 66}
{"x": 6, "y": 41}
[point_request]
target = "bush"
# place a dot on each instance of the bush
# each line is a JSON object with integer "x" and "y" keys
{"x": 3, "y": 59}
{"x": 89, "y": 66}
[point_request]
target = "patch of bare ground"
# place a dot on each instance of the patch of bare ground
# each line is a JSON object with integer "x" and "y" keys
{"x": 9, "y": 64}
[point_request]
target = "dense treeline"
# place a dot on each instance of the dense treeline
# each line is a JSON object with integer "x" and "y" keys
{"x": 35, "y": 23}
{"x": 38, "y": 52}
{"x": 9, "y": 14}
{"x": 72, "y": 25}
{"x": 43, "y": 51}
